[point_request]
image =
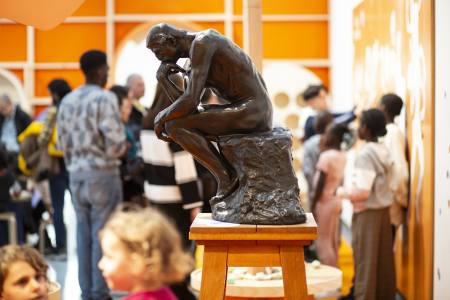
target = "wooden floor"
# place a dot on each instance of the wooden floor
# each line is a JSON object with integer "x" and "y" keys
{"x": 345, "y": 264}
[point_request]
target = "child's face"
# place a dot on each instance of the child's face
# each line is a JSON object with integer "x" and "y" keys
{"x": 115, "y": 263}
{"x": 24, "y": 283}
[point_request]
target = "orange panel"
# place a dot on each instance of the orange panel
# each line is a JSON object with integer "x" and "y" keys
{"x": 13, "y": 42}
{"x": 238, "y": 34}
{"x": 306, "y": 40}
{"x": 121, "y": 30}
{"x": 168, "y": 7}
{"x": 92, "y": 8}
{"x": 43, "y": 77}
{"x": 323, "y": 74}
{"x": 18, "y": 73}
{"x": 37, "y": 109}
{"x": 219, "y": 26}
{"x": 288, "y": 6}
{"x": 67, "y": 42}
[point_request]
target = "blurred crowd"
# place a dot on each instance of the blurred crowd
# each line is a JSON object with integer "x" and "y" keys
{"x": 99, "y": 145}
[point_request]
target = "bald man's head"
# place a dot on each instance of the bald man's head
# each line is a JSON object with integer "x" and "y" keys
{"x": 136, "y": 85}
{"x": 6, "y": 105}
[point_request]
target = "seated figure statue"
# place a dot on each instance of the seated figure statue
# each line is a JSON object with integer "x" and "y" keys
{"x": 216, "y": 65}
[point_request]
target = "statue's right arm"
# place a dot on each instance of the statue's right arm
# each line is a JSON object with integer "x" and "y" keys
{"x": 163, "y": 75}
{"x": 201, "y": 56}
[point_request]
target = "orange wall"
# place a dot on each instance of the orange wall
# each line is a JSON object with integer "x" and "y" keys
{"x": 65, "y": 43}
{"x": 13, "y": 42}
{"x": 390, "y": 57}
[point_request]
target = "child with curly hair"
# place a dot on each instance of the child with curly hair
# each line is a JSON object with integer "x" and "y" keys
{"x": 23, "y": 274}
{"x": 142, "y": 254}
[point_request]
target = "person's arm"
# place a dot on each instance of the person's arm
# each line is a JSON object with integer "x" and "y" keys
{"x": 318, "y": 190}
{"x": 344, "y": 117}
{"x": 112, "y": 127}
{"x": 363, "y": 178}
{"x": 353, "y": 194}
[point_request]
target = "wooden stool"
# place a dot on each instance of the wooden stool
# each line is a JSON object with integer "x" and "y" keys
{"x": 236, "y": 245}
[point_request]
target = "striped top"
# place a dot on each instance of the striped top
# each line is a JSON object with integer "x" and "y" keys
{"x": 170, "y": 172}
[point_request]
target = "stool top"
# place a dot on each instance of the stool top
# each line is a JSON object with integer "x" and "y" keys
{"x": 205, "y": 228}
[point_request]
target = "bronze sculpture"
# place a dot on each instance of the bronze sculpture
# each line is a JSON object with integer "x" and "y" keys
{"x": 220, "y": 66}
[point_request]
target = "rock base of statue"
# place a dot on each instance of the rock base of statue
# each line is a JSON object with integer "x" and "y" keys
{"x": 268, "y": 192}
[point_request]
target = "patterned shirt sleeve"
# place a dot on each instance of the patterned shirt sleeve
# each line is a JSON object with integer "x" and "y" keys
{"x": 112, "y": 127}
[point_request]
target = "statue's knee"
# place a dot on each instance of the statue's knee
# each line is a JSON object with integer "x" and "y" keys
{"x": 171, "y": 128}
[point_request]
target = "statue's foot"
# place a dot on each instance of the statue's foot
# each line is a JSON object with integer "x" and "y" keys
{"x": 226, "y": 191}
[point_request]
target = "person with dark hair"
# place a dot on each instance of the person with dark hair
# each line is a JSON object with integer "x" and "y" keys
{"x": 92, "y": 137}
{"x": 58, "y": 181}
{"x": 58, "y": 89}
{"x": 316, "y": 97}
{"x": 391, "y": 105}
{"x": 311, "y": 150}
{"x": 6, "y": 181}
{"x": 131, "y": 163}
{"x": 371, "y": 195}
{"x": 329, "y": 175}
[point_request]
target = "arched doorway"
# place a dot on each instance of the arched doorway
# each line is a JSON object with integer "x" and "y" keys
{"x": 11, "y": 85}
{"x": 133, "y": 57}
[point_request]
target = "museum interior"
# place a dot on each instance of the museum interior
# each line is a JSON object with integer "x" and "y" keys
{"x": 224, "y": 149}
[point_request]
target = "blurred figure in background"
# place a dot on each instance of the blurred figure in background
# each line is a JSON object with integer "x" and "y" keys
{"x": 170, "y": 179}
{"x": 391, "y": 105}
{"x": 316, "y": 97}
{"x": 132, "y": 165}
{"x": 58, "y": 181}
{"x": 41, "y": 160}
{"x": 371, "y": 195}
{"x": 136, "y": 87}
{"x": 13, "y": 121}
{"x": 329, "y": 176}
{"x": 92, "y": 137}
{"x": 311, "y": 150}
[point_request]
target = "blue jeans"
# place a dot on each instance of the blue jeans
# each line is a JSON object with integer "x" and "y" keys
{"x": 58, "y": 186}
{"x": 94, "y": 199}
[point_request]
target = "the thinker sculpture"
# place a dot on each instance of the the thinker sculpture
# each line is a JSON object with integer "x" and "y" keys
{"x": 218, "y": 65}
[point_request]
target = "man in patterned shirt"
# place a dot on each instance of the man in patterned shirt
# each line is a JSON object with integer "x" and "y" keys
{"x": 92, "y": 137}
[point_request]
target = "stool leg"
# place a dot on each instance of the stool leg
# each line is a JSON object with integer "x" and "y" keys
{"x": 214, "y": 273}
{"x": 293, "y": 268}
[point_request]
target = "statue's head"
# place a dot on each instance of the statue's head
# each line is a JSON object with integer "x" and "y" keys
{"x": 163, "y": 41}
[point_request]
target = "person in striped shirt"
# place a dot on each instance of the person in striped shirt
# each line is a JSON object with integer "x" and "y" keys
{"x": 171, "y": 181}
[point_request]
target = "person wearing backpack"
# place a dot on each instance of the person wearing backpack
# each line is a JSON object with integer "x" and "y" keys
{"x": 371, "y": 195}
{"x": 391, "y": 105}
